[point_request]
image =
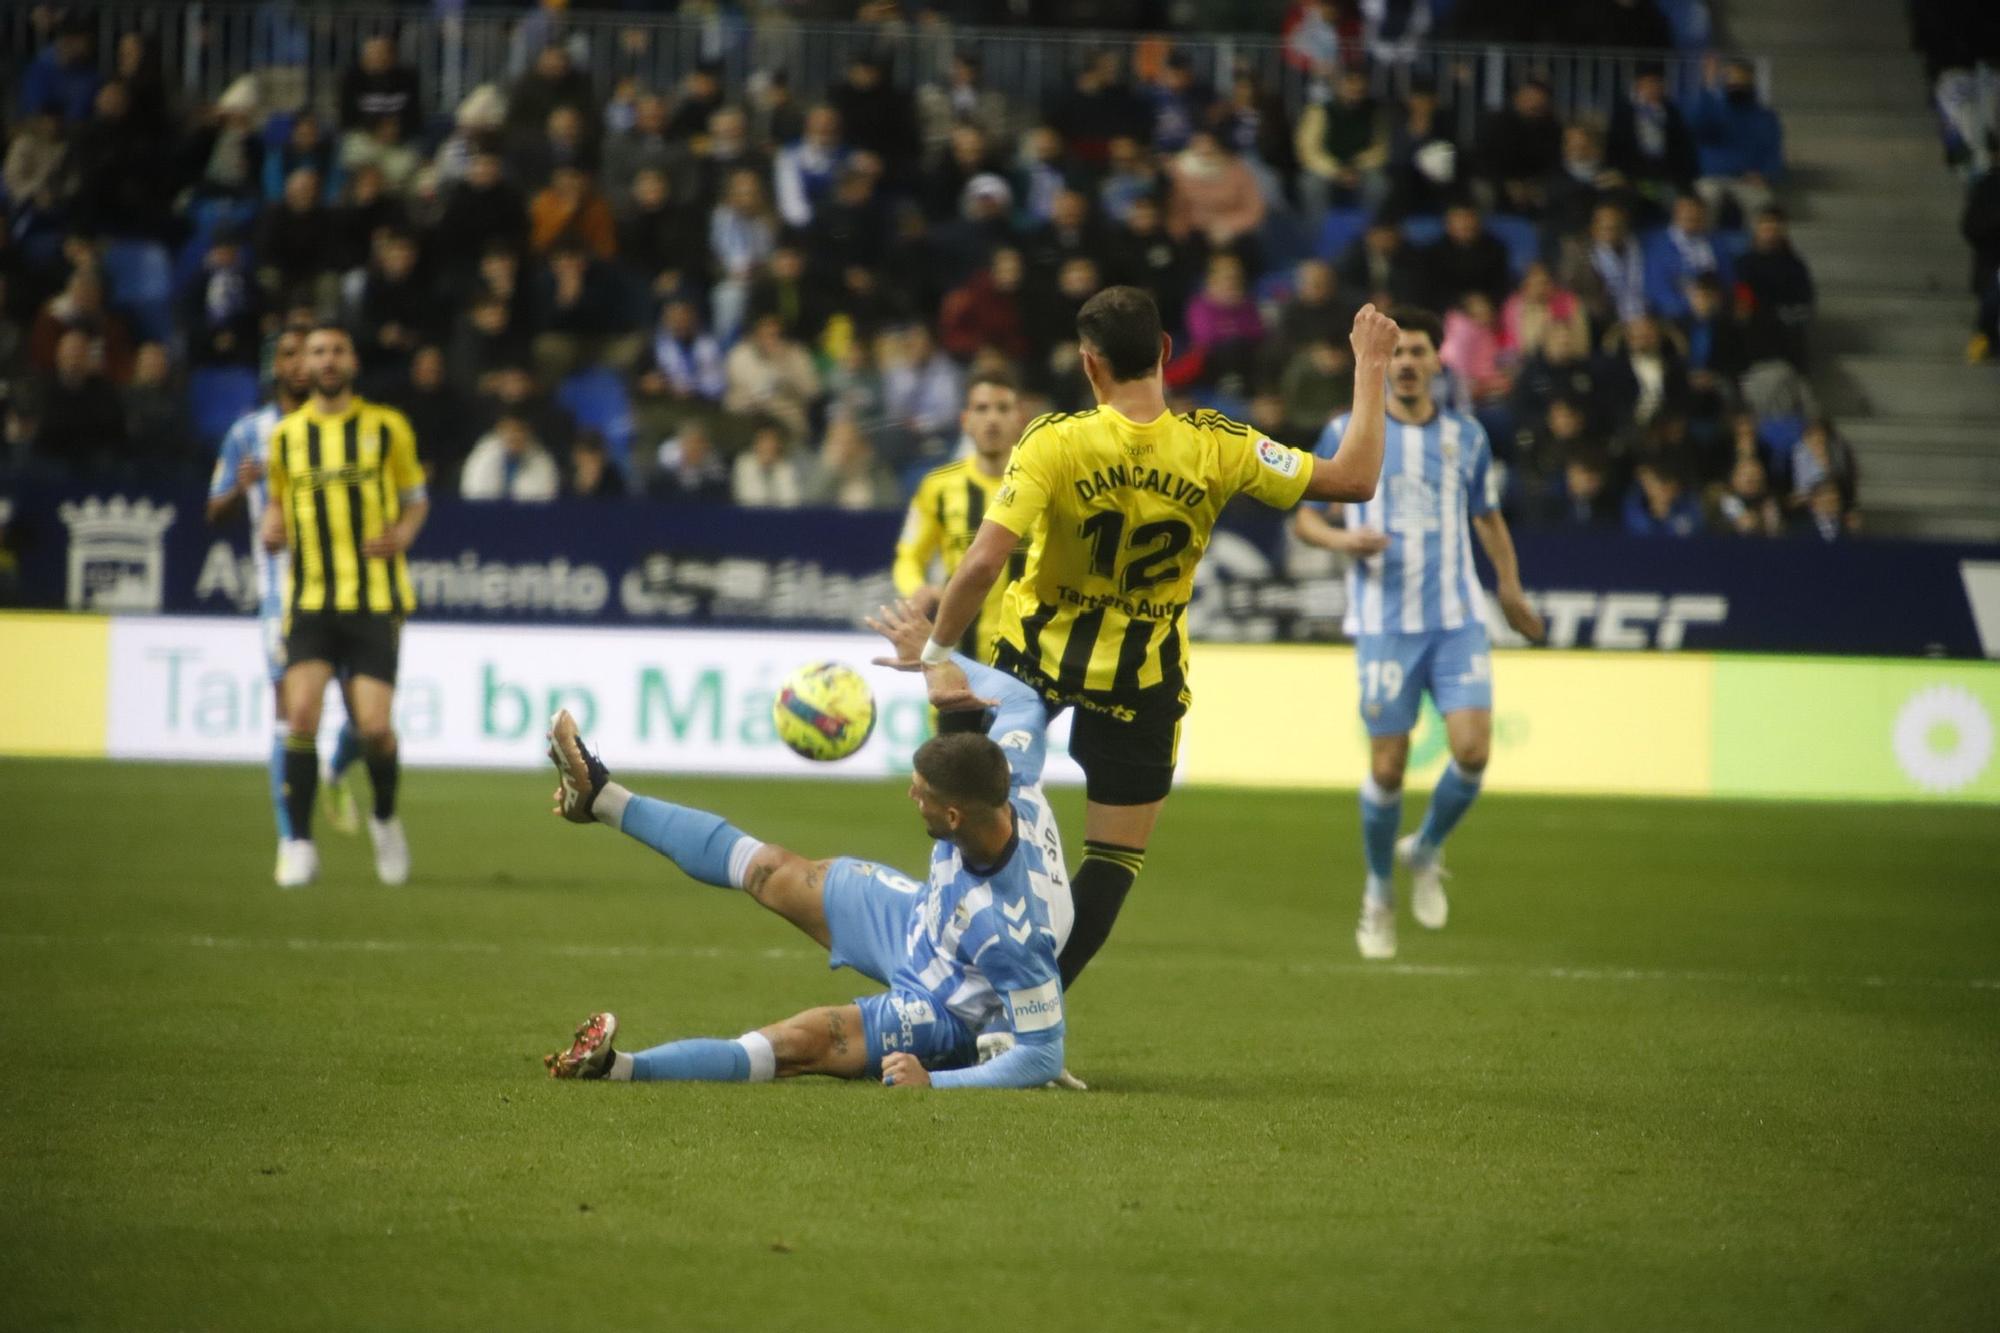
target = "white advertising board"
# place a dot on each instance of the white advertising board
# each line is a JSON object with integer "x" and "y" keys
{"x": 693, "y": 701}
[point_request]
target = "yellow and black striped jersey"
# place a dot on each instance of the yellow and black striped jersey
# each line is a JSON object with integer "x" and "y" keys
{"x": 945, "y": 514}
{"x": 339, "y": 481}
{"x": 1129, "y": 508}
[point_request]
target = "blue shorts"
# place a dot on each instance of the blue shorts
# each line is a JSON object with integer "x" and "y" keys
{"x": 869, "y": 908}
{"x": 1454, "y": 665}
{"x": 869, "y": 912}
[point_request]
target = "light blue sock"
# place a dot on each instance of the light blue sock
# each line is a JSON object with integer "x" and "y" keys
{"x": 705, "y": 846}
{"x": 278, "y": 782}
{"x": 1381, "y": 817}
{"x": 1456, "y": 791}
{"x": 700, "y": 1060}
{"x": 346, "y": 749}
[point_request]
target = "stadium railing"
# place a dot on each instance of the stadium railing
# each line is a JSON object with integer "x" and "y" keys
{"x": 303, "y": 50}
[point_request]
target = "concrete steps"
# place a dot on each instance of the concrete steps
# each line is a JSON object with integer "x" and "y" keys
{"x": 1922, "y": 388}
{"x": 1891, "y": 322}
{"x": 1931, "y": 527}
{"x": 1873, "y": 258}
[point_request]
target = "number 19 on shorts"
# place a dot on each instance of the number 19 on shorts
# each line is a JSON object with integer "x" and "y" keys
{"x": 1381, "y": 681}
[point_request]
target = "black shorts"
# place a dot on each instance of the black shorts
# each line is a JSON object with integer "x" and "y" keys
{"x": 357, "y": 643}
{"x": 1126, "y": 742}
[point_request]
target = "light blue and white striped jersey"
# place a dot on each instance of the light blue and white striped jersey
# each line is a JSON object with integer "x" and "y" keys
{"x": 983, "y": 942}
{"x": 250, "y": 437}
{"x": 1434, "y": 478}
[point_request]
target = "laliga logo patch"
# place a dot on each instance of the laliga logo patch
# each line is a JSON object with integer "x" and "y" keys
{"x": 1283, "y": 461}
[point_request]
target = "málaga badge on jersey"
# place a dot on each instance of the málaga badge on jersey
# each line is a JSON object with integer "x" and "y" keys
{"x": 1283, "y": 461}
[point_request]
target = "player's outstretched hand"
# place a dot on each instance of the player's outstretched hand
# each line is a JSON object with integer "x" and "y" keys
{"x": 951, "y": 692}
{"x": 1374, "y": 336}
{"x": 1520, "y": 615}
{"x": 907, "y": 628}
{"x": 903, "y": 1070}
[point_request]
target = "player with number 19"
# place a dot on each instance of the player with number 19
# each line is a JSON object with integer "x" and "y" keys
{"x": 1416, "y": 614}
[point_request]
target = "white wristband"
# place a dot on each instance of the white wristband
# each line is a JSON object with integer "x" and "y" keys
{"x": 935, "y": 654}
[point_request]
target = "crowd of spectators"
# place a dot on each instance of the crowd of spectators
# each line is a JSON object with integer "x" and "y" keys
{"x": 714, "y": 293}
{"x": 1960, "y": 44}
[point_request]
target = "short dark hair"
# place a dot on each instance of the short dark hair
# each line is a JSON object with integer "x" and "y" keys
{"x": 1122, "y": 325}
{"x": 964, "y": 768}
{"x": 1416, "y": 319}
{"x": 998, "y": 378}
{"x": 334, "y": 326}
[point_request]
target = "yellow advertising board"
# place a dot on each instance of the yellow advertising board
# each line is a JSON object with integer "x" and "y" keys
{"x": 53, "y": 675}
{"x": 1563, "y": 722}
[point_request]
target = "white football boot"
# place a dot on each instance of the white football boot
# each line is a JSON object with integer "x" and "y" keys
{"x": 392, "y": 850}
{"x": 298, "y": 863}
{"x": 1375, "y": 932}
{"x": 1427, "y": 900}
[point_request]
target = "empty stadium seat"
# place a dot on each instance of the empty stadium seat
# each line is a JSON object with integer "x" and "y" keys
{"x": 596, "y": 397}
{"x": 217, "y": 395}
{"x": 140, "y": 279}
{"x": 1523, "y": 242}
{"x": 1342, "y": 228}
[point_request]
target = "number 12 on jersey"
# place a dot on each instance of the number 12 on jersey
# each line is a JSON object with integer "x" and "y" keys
{"x": 1152, "y": 547}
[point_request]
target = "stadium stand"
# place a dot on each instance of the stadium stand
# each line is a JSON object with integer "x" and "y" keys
{"x": 676, "y": 237}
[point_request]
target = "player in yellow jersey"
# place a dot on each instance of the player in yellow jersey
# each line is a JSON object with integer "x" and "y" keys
{"x": 347, "y": 499}
{"x": 951, "y": 502}
{"x": 1123, "y": 498}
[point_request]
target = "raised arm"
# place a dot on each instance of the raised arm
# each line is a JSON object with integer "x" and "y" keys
{"x": 1353, "y": 472}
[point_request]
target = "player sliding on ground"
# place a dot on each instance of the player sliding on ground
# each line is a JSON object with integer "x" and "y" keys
{"x": 1129, "y": 494}
{"x": 1416, "y": 615}
{"x": 972, "y": 952}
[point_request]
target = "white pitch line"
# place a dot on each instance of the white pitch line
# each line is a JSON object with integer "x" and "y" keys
{"x": 1456, "y": 971}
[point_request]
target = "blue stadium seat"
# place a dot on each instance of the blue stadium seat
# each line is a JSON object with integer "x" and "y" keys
{"x": 1690, "y": 22}
{"x": 217, "y": 395}
{"x": 1273, "y": 289}
{"x": 1342, "y": 228}
{"x": 1421, "y": 229}
{"x": 1285, "y": 240}
{"x": 140, "y": 275}
{"x": 278, "y": 130}
{"x": 1523, "y": 242}
{"x": 596, "y": 397}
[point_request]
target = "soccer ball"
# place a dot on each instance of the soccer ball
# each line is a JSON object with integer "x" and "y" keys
{"x": 825, "y": 711}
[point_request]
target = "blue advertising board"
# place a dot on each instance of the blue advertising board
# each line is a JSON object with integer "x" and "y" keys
{"x": 638, "y": 562}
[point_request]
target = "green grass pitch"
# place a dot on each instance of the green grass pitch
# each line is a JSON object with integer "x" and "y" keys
{"x": 1672, "y": 1066}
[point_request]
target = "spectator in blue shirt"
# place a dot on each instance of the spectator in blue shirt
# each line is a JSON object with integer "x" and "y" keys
{"x": 1685, "y": 249}
{"x": 1658, "y": 505}
{"x": 1177, "y": 104}
{"x": 63, "y": 80}
{"x": 805, "y": 172}
{"x": 1739, "y": 146}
